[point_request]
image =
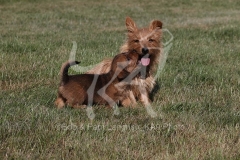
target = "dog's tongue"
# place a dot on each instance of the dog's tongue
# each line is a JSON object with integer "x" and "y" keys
{"x": 145, "y": 61}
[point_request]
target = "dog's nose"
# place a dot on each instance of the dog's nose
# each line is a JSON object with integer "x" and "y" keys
{"x": 145, "y": 50}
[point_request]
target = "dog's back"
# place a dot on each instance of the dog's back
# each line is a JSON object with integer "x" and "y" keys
{"x": 74, "y": 90}
{"x": 89, "y": 89}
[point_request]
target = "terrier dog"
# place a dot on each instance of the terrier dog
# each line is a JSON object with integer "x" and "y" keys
{"x": 102, "y": 89}
{"x": 146, "y": 41}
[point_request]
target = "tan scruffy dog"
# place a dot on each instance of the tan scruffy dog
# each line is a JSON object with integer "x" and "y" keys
{"x": 146, "y": 41}
{"x": 103, "y": 89}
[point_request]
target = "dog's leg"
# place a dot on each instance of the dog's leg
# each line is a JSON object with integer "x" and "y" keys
{"x": 144, "y": 97}
{"x": 59, "y": 103}
{"x": 127, "y": 102}
{"x": 146, "y": 102}
{"x": 130, "y": 100}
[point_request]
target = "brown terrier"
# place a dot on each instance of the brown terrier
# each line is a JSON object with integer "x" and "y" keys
{"x": 146, "y": 41}
{"x": 103, "y": 89}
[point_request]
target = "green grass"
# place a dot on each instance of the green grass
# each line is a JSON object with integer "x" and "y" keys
{"x": 198, "y": 94}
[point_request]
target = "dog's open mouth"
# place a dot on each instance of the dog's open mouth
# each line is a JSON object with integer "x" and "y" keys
{"x": 145, "y": 60}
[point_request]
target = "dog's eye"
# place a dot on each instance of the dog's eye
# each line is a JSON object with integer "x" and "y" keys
{"x": 128, "y": 58}
{"x": 136, "y": 40}
{"x": 151, "y": 40}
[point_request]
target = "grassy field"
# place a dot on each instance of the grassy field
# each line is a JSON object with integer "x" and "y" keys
{"x": 198, "y": 94}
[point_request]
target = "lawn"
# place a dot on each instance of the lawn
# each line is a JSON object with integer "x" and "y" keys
{"x": 198, "y": 95}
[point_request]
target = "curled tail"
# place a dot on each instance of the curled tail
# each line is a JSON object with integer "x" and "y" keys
{"x": 64, "y": 71}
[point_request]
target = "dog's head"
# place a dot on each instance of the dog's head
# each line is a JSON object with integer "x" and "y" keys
{"x": 145, "y": 41}
{"x": 124, "y": 63}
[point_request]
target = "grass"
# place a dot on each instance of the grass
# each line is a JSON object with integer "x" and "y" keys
{"x": 198, "y": 94}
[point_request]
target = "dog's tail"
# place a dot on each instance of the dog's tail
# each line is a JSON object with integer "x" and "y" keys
{"x": 64, "y": 71}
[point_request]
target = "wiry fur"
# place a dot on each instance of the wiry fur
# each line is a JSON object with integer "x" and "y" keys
{"x": 138, "y": 39}
{"x": 74, "y": 90}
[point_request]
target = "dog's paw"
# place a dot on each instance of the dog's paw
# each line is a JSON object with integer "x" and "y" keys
{"x": 59, "y": 103}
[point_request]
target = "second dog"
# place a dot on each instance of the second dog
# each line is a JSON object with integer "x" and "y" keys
{"x": 102, "y": 89}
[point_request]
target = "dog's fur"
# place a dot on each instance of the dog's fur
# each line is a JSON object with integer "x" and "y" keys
{"x": 76, "y": 90}
{"x": 146, "y": 41}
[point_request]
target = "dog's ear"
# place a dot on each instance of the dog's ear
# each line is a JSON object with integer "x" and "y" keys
{"x": 131, "y": 26}
{"x": 155, "y": 24}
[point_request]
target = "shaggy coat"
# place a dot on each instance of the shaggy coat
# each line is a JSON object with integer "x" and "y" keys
{"x": 146, "y": 41}
{"x": 103, "y": 89}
